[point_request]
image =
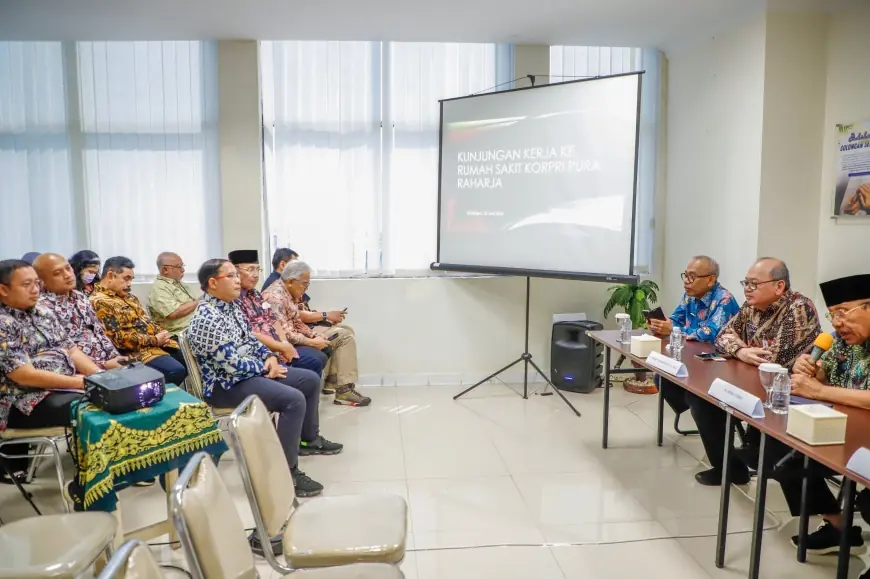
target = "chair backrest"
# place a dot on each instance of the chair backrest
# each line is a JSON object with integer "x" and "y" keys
{"x": 208, "y": 524}
{"x": 194, "y": 376}
{"x": 132, "y": 561}
{"x": 264, "y": 471}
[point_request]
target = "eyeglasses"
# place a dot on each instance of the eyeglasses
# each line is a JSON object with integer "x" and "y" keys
{"x": 839, "y": 316}
{"x": 233, "y": 275}
{"x": 251, "y": 269}
{"x": 179, "y": 266}
{"x": 691, "y": 277}
{"x": 303, "y": 284}
{"x": 753, "y": 285}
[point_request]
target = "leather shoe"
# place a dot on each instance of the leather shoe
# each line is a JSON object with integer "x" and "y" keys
{"x": 713, "y": 477}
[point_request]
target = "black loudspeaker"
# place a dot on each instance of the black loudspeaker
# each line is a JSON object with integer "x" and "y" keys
{"x": 575, "y": 359}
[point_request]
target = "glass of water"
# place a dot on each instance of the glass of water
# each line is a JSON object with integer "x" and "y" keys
{"x": 766, "y": 373}
{"x": 624, "y": 322}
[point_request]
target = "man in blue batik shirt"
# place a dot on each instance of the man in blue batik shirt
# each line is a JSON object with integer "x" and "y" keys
{"x": 706, "y": 306}
{"x": 235, "y": 365}
{"x": 705, "y": 309}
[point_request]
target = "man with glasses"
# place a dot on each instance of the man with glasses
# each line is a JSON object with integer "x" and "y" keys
{"x": 263, "y": 320}
{"x": 170, "y": 303}
{"x": 236, "y": 365}
{"x": 41, "y": 369}
{"x": 705, "y": 308}
{"x": 774, "y": 324}
{"x": 341, "y": 370}
{"x": 840, "y": 377}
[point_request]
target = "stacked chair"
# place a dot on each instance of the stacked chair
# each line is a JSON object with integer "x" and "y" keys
{"x": 213, "y": 536}
{"x": 55, "y": 546}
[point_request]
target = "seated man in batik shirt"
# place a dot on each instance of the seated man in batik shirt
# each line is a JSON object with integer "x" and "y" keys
{"x": 129, "y": 327}
{"x": 262, "y": 319}
{"x": 774, "y": 324}
{"x": 284, "y": 298}
{"x": 74, "y": 311}
{"x": 705, "y": 308}
{"x": 41, "y": 370}
{"x": 840, "y": 377}
{"x": 235, "y": 365}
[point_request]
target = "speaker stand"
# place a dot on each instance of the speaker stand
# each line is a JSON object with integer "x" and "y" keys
{"x": 526, "y": 359}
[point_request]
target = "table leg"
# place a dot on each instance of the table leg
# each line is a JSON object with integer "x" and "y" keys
{"x": 758, "y": 522}
{"x": 804, "y": 521}
{"x": 725, "y": 492}
{"x": 660, "y": 428}
{"x": 171, "y": 477}
{"x": 848, "y": 515}
{"x": 606, "y": 396}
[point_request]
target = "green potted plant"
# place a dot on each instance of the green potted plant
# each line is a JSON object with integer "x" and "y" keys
{"x": 634, "y": 299}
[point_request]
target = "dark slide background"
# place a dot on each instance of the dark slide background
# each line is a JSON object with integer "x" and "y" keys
{"x": 598, "y": 134}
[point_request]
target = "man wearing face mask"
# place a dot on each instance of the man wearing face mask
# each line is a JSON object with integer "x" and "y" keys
{"x": 86, "y": 266}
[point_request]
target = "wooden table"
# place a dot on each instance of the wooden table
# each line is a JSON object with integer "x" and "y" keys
{"x": 701, "y": 376}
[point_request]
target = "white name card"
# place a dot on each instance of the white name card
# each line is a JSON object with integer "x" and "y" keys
{"x": 859, "y": 463}
{"x": 667, "y": 364}
{"x": 736, "y": 398}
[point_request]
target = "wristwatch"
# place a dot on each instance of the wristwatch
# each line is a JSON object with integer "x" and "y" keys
{"x": 324, "y": 316}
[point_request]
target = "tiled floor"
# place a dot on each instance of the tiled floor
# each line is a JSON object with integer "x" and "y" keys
{"x": 509, "y": 488}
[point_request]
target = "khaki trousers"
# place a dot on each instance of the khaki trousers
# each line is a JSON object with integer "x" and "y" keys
{"x": 341, "y": 369}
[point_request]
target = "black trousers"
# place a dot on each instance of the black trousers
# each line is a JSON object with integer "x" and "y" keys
{"x": 172, "y": 366}
{"x": 710, "y": 420}
{"x": 54, "y": 410}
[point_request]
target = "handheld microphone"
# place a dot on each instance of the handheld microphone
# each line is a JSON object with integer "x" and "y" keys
{"x": 823, "y": 343}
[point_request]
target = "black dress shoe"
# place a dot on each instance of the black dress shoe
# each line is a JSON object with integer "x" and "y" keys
{"x": 713, "y": 477}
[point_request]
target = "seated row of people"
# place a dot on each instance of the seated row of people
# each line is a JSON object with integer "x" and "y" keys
{"x": 110, "y": 328}
{"x": 776, "y": 324}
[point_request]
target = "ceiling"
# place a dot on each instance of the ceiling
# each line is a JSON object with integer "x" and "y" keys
{"x": 579, "y": 22}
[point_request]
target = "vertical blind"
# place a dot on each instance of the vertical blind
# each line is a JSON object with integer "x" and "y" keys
{"x": 351, "y": 143}
{"x": 575, "y": 62}
{"x": 115, "y": 144}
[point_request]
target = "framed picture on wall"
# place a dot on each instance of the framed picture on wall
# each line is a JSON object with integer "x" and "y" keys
{"x": 852, "y": 190}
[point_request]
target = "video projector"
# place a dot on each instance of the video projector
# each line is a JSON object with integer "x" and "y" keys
{"x": 126, "y": 389}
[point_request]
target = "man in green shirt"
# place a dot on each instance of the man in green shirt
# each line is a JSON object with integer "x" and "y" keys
{"x": 839, "y": 377}
{"x": 170, "y": 303}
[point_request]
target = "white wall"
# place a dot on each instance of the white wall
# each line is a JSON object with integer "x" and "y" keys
{"x": 791, "y": 159}
{"x": 714, "y": 137}
{"x": 843, "y": 244}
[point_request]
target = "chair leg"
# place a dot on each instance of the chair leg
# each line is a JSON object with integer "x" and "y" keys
{"x": 58, "y": 466}
{"x": 34, "y": 462}
{"x": 683, "y": 432}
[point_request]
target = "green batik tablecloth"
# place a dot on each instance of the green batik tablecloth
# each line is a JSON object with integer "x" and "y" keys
{"x": 116, "y": 450}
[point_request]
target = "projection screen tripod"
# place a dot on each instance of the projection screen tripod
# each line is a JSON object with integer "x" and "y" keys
{"x": 526, "y": 358}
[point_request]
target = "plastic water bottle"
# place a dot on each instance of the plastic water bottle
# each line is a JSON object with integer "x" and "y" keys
{"x": 780, "y": 393}
{"x": 624, "y": 321}
{"x": 677, "y": 344}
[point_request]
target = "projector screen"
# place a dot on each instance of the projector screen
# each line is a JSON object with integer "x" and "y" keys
{"x": 541, "y": 181}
